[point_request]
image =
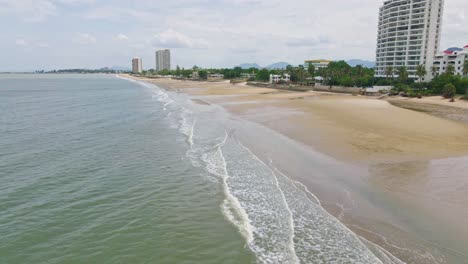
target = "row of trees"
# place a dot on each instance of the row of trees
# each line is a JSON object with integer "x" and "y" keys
{"x": 447, "y": 84}
{"x": 340, "y": 73}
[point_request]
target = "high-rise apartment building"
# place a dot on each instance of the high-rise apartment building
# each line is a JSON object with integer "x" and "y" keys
{"x": 163, "y": 60}
{"x": 409, "y": 35}
{"x": 137, "y": 66}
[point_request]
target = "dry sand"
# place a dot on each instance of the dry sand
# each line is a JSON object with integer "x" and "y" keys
{"x": 408, "y": 201}
{"x": 350, "y": 128}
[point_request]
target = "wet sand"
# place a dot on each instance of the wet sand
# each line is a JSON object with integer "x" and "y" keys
{"x": 407, "y": 191}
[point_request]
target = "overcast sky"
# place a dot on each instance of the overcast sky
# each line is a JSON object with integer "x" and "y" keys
{"x": 52, "y": 34}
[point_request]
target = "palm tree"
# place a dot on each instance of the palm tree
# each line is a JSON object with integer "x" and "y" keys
{"x": 402, "y": 74}
{"x": 389, "y": 72}
{"x": 434, "y": 70}
{"x": 465, "y": 68}
{"x": 421, "y": 72}
{"x": 450, "y": 70}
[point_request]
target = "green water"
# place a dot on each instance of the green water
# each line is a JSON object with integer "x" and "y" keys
{"x": 91, "y": 172}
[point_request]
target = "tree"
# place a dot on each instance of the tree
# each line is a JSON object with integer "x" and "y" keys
{"x": 311, "y": 69}
{"x": 450, "y": 70}
{"x": 434, "y": 70}
{"x": 465, "y": 68}
{"x": 449, "y": 91}
{"x": 202, "y": 74}
{"x": 389, "y": 72}
{"x": 421, "y": 72}
{"x": 263, "y": 75}
{"x": 402, "y": 74}
{"x": 177, "y": 70}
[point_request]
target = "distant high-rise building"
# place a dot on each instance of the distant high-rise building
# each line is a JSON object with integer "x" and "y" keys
{"x": 137, "y": 66}
{"x": 409, "y": 35}
{"x": 163, "y": 60}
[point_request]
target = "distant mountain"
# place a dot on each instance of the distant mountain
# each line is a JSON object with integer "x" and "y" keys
{"x": 278, "y": 65}
{"x": 249, "y": 65}
{"x": 355, "y": 62}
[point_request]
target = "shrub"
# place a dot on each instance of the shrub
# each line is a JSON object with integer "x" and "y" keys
{"x": 449, "y": 91}
{"x": 465, "y": 97}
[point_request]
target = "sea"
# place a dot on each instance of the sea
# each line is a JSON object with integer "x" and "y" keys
{"x": 104, "y": 169}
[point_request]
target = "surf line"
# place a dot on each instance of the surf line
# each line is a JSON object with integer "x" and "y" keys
{"x": 283, "y": 196}
{"x": 245, "y": 227}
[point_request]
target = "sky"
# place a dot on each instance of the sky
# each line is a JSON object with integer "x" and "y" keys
{"x": 57, "y": 34}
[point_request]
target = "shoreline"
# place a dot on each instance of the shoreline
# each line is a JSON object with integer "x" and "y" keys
{"x": 325, "y": 123}
{"x": 354, "y": 129}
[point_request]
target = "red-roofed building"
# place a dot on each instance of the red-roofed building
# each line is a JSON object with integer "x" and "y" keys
{"x": 455, "y": 57}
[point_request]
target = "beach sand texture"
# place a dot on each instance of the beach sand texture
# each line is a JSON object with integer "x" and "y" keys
{"x": 346, "y": 127}
{"x": 409, "y": 194}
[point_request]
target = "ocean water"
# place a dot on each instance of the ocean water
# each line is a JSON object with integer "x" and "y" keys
{"x": 101, "y": 169}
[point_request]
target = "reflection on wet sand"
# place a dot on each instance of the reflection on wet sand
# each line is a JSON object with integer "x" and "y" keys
{"x": 429, "y": 202}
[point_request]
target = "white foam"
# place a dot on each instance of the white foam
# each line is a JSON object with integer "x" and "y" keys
{"x": 232, "y": 209}
{"x": 294, "y": 259}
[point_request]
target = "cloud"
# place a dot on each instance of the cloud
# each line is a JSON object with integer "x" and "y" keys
{"x": 174, "y": 39}
{"x": 43, "y": 45}
{"x": 308, "y": 41}
{"x": 122, "y": 37}
{"x": 84, "y": 39}
{"x": 28, "y": 10}
{"x": 21, "y": 43}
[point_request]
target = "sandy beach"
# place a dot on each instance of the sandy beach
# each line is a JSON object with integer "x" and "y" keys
{"x": 408, "y": 193}
{"x": 350, "y": 128}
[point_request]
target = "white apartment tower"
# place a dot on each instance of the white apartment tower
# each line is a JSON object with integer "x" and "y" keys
{"x": 137, "y": 66}
{"x": 409, "y": 35}
{"x": 163, "y": 60}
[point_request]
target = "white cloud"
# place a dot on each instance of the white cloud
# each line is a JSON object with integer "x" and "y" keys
{"x": 43, "y": 45}
{"x": 84, "y": 39}
{"x": 174, "y": 39}
{"x": 21, "y": 43}
{"x": 28, "y": 10}
{"x": 122, "y": 37}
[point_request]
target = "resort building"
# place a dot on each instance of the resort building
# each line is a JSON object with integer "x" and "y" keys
{"x": 137, "y": 66}
{"x": 248, "y": 75}
{"x": 215, "y": 76}
{"x": 455, "y": 57}
{"x": 318, "y": 64}
{"x": 163, "y": 60}
{"x": 276, "y": 78}
{"x": 408, "y": 35}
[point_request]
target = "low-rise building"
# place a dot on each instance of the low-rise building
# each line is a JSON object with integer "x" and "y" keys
{"x": 318, "y": 64}
{"x": 455, "y": 57}
{"x": 276, "y": 78}
{"x": 216, "y": 76}
{"x": 248, "y": 75}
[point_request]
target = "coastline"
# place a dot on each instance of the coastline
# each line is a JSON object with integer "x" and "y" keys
{"x": 358, "y": 130}
{"x": 349, "y": 128}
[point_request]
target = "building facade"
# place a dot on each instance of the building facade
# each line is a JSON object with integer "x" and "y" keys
{"x": 163, "y": 60}
{"x": 408, "y": 35}
{"x": 318, "y": 64}
{"x": 455, "y": 57}
{"x": 137, "y": 65}
{"x": 276, "y": 78}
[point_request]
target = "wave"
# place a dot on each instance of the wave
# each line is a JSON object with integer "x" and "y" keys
{"x": 281, "y": 220}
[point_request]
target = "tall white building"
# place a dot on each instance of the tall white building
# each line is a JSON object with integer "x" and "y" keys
{"x": 409, "y": 35}
{"x": 163, "y": 60}
{"x": 137, "y": 66}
